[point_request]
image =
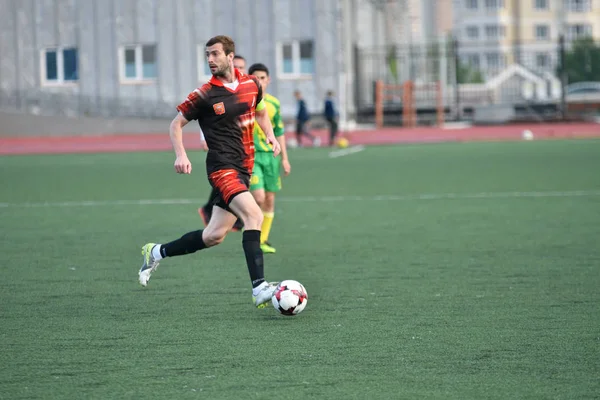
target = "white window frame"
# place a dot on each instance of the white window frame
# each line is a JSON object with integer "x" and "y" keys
{"x": 139, "y": 64}
{"x": 545, "y": 8}
{"x": 501, "y": 58}
{"x": 201, "y": 59}
{"x": 587, "y": 30}
{"x": 295, "y": 74}
{"x": 537, "y": 31}
{"x": 543, "y": 55}
{"x": 578, "y": 6}
{"x": 472, "y": 29}
{"x": 60, "y": 67}
{"x": 473, "y": 60}
{"x": 494, "y": 4}
{"x": 498, "y": 31}
{"x": 471, "y": 4}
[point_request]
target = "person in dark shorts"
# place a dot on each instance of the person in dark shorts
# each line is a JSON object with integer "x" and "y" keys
{"x": 303, "y": 121}
{"x": 331, "y": 116}
{"x": 226, "y": 108}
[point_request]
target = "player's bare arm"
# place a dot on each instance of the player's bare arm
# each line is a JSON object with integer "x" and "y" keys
{"x": 285, "y": 162}
{"x": 263, "y": 120}
{"x": 182, "y": 163}
{"x": 203, "y": 144}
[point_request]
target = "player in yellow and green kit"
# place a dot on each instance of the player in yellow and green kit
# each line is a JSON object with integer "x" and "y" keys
{"x": 266, "y": 178}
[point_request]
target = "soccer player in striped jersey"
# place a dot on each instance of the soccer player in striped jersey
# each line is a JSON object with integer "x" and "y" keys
{"x": 266, "y": 178}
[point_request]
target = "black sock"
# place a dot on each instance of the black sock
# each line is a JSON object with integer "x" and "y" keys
{"x": 254, "y": 256}
{"x": 189, "y": 243}
{"x": 211, "y": 197}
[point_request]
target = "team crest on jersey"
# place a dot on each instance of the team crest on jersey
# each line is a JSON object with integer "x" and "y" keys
{"x": 219, "y": 108}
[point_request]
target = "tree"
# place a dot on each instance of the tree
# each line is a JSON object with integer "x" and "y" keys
{"x": 582, "y": 61}
{"x": 392, "y": 62}
{"x": 467, "y": 74}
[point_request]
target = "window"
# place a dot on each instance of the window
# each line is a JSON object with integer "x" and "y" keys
{"x": 472, "y": 60}
{"x": 492, "y": 60}
{"x": 472, "y": 32}
{"x": 60, "y": 66}
{"x": 494, "y": 4}
{"x": 495, "y": 31}
{"x": 296, "y": 59}
{"x": 578, "y": 31}
{"x": 288, "y": 59}
{"x": 542, "y": 32}
{"x": 540, "y": 4}
{"x": 138, "y": 63}
{"x": 542, "y": 60}
{"x": 471, "y": 4}
{"x": 306, "y": 57}
{"x": 495, "y": 60}
{"x": 578, "y": 5}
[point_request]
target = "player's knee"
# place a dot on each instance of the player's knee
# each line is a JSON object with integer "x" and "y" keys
{"x": 269, "y": 202}
{"x": 214, "y": 236}
{"x": 253, "y": 219}
{"x": 256, "y": 216}
{"x": 259, "y": 196}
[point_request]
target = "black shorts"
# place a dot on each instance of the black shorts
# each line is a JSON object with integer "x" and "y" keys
{"x": 227, "y": 183}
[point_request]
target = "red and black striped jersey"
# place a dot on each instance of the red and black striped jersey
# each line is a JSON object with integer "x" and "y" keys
{"x": 226, "y": 117}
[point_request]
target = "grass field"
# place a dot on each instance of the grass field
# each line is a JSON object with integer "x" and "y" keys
{"x": 450, "y": 271}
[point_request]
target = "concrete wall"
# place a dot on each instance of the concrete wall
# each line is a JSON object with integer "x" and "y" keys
{"x": 97, "y": 28}
{"x": 18, "y": 124}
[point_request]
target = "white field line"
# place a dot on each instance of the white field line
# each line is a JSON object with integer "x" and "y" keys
{"x": 325, "y": 199}
{"x": 346, "y": 152}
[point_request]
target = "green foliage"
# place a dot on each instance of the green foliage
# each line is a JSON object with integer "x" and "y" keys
{"x": 468, "y": 74}
{"x": 582, "y": 61}
{"x": 392, "y": 63}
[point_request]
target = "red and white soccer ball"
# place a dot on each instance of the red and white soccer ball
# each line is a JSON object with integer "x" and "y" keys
{"x": 289, "y": 298}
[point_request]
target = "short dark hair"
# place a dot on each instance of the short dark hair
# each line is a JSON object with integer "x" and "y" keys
{"x": 258, "y": 67}
{"x": 226, "y": 41}
{"x": 238, "y": 57}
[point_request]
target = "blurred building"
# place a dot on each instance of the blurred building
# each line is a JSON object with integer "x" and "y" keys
{"x": 142, "y": 57}
{"x": 497, "y": 33}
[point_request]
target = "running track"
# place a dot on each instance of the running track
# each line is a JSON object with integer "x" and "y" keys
{"x": 160, "y": 141}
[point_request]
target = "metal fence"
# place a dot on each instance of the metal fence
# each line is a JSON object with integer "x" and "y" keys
{"x": 481, "y": 81}
{"x": 485, "y": 82}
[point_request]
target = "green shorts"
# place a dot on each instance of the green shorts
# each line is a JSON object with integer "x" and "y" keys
{"x": 265, "y": 174}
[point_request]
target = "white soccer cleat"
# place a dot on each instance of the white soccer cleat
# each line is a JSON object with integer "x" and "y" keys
{"x": 264, "y": 296}
{"x": 150, "y": 264}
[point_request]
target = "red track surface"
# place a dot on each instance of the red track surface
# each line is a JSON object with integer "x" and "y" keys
{"x": 160, "y": 142}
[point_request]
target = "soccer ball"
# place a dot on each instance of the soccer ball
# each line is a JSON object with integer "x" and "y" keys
{"x": 527, "y": 134}
{"x": 289, "y": 298}
{"x": 343, "y": 143}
